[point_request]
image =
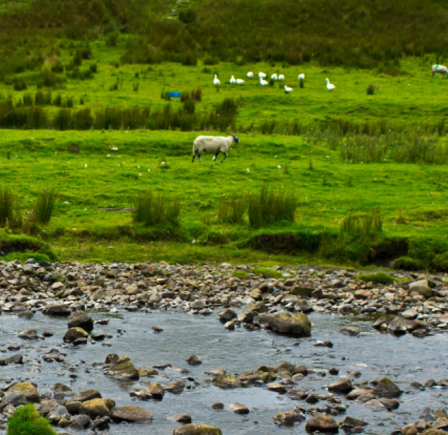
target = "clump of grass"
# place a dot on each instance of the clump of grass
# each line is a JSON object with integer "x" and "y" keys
{"x": 266, "y": 272}
{"x": 44, "y": 207}
{"x": 9, "y": 210}
{"x": 379, "y": 278}
{"x": 135, "y": 86}
{"x": 20, "y": 85}
{"x": 151, "y": 209}
{"x": 231, "y": 208}
{"x": 268, "y": 207}
{"x": 189, "y": 106}
{"x": 26, "y": 420}
{"x": 301, "y": 83}
{"x": 408, "y": 263}
{"x": 371, "y": 89}
{"x": 242, "y": 274}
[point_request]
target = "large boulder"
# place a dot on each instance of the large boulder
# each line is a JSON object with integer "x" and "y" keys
{"x": 96, "y": 408}
{"x": 131, "y": 414}
{"x": 123, "y": 369}
{"x": 82, "y": 320}
{"x": 28, "y": 390}
{"x": 387, "y": 388}
{"x": 296, "y": 324}
{"x": 197, "y": 429}
{"x": 322, "y": 423}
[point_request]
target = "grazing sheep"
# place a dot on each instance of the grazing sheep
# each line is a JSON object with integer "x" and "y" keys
{"x": 439, "y": 69}
{"x": 281, "y": 77}
{"x": 288, "y": 90}
{"x": 263, "y": 82}
{"x": 232, "y": 80}
{"x": 239, "y": 81}
{"x": 250, "y": 74}
{"x": 214, "y": 145}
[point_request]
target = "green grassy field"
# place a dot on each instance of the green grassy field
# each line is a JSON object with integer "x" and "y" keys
{"x": 407, "y": 112}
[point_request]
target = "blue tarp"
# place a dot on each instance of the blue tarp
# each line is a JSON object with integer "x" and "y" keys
{"x": 174, "y": 94}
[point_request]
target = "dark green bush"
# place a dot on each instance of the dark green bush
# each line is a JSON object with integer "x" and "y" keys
{"x": 27, "y": 421}
{"x": 20, "y": 85}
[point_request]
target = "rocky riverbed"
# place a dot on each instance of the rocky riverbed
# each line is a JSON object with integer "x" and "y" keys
{"x": 103, "y": 347}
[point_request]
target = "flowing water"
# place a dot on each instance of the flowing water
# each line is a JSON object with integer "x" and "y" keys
{"x": 404, "y": 359}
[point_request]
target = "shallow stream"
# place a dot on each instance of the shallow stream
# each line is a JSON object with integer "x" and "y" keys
{"x": 404, "y": 359}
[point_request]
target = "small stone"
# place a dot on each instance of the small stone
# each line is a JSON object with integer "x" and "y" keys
{"x": 238, "y": 408}
{"x": 218, "y": 405}
{"x": 194, "y": 360}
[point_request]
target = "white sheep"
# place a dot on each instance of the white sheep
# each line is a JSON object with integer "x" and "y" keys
{"x": 439, "y": 69}
{"x": 213, "y": 145}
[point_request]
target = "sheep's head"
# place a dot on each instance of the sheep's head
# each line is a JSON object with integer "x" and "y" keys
{"x": 235, "y": 138}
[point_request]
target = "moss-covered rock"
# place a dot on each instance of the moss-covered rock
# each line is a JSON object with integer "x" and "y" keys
{"x": 387, "y": 388}
{"x": 28, "y": 390}
{"x": 296, "y": 324}
{"x": 124, "y": 369}
{"x": 74, "y": 333}
{"x": 96, "y": 408}
{"x": 226, "y": 381}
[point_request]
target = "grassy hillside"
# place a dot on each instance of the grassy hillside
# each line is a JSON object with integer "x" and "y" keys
{"x": 84, "y": 110}
{"x": 362, "y": 33}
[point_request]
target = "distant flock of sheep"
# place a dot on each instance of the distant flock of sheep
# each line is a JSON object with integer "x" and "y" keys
{"x": 263, "y": 82}
{"x": 218, "y": 144}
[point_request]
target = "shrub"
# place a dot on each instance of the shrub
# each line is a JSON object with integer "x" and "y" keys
{"x": 82, "y": 119}
{"x": 187, "y": 16}
{"x": 150, "y": 209}
{"x": 39, "y": 98}
{"x": 20, "y": 85}
{"x": 27, "y": 100}
{"x": 189, "y": 106}
{"x": 26, "y": 420}
{"x": 231, "y": 208}
{"x": 268, "y": 207}
{"x": 63, "y": 119}
{"x": 209, "y": 60}
{"x": 189, "y": 58}
{"x": 57, "y": 100}
{"x": 408, "y": 263}
{"x": 57, "y": 68}
{"x": 93, "y": 68}
{"x": 48, "y": 78}
{"x": 45, "y": 206}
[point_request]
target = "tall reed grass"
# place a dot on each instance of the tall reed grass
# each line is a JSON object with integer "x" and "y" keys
{"x": 44, "y": 207}
{"x": 231, "y": 208}
{"x": 155, "y": 209}
{"x": 268, "y": 207}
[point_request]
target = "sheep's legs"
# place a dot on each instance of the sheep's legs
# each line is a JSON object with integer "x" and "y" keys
{"x": 216, "y": 157}
{"x": 225, "y": 157}
{"x": 192, "y": 160}
{"x": 199, "y": 155}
